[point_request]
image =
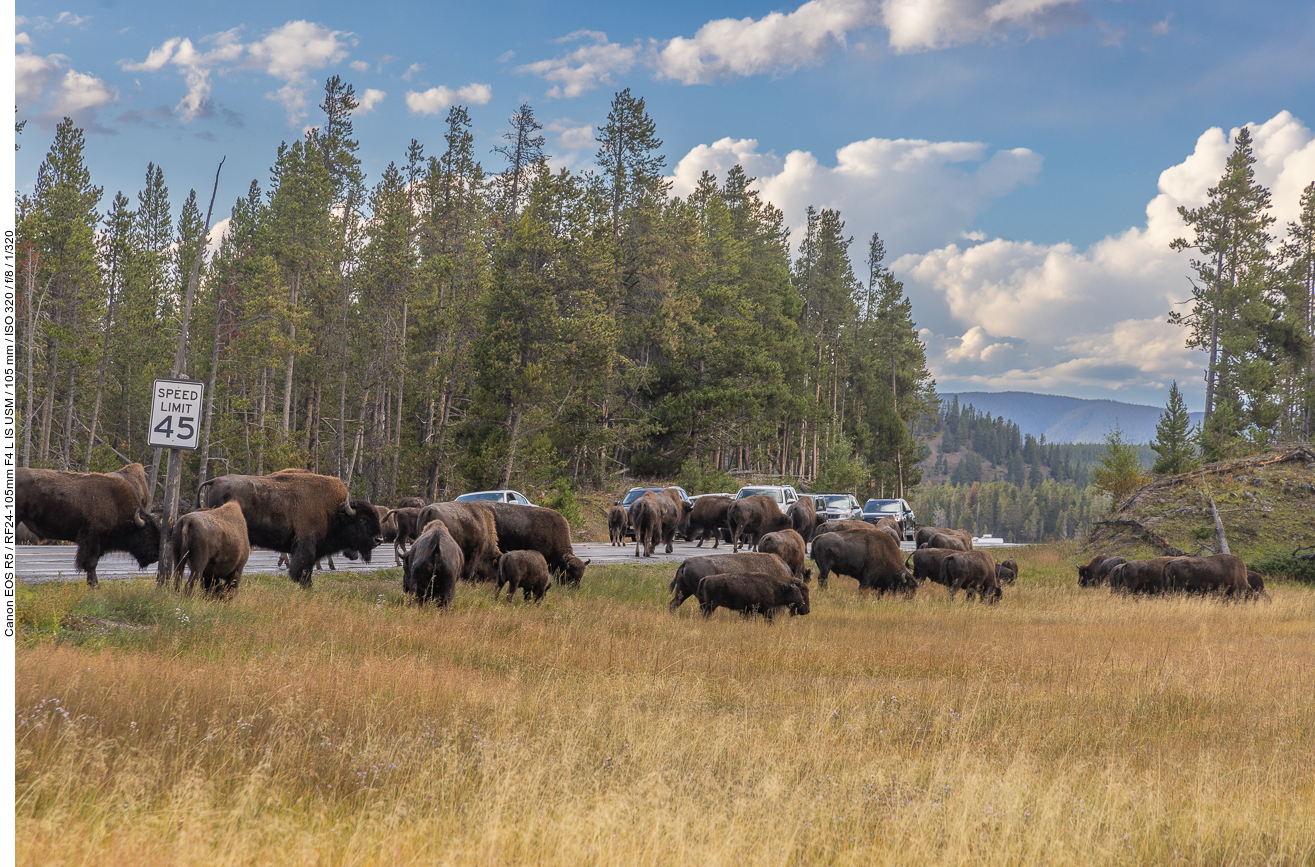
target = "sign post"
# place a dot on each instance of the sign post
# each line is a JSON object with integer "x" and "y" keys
{"x": 175, "y": 414}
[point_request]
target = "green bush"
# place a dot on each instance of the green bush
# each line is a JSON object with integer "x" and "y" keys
{"x": 562, "y": 498}
{"x": 696, "y": 480}
{"x": 1282, "y": 564}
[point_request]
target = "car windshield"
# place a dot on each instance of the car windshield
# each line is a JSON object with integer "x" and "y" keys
{"x": 481, "y": 495}
{"x": 890, "y": 506}
{"x": 634, "y": 494}
{"x": 776, "y": 494}
{"x": 837, "y": 502}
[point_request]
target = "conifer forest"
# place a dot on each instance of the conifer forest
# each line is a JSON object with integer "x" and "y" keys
{"x": 470, "y": 320}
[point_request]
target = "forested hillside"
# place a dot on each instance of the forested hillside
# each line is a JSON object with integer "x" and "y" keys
{"x": 1067, "y": 419}
{"x": 450, "y": 325}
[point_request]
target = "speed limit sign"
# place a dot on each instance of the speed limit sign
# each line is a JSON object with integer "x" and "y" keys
{"x": 175, "y": 414}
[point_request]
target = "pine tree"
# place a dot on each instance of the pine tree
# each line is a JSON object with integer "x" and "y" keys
{"x": 1120, "y": 472}
{"x": 1298, "y": 311}
{"x": 523, "y": 152}
{"x": 1174, "y": 442}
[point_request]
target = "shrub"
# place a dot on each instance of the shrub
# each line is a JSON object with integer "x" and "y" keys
{"x": 1283, "y": 564}
{"x": 562, "y": 498}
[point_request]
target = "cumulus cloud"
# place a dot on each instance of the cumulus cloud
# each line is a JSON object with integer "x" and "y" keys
{"x": 586, "y": 67}
{"x": 64, "y": 92}
{"x": 287, "y": 53}
{"x": 436, "y": 99}
{"x": 922, "y": 25}
{"x": 359, "y": 66}
{"x": 1053, "y": 317}
{"x": 369, "y": 100}
{"x": 874, "y": 182}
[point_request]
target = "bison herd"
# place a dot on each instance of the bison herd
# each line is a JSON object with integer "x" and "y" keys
{"x": 1223, "y": 574}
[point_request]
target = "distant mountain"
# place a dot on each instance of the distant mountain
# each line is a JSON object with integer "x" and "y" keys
{"x": 1067, "y": 419}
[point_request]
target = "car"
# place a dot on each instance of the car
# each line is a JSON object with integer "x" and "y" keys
{"x": 496, "y": 497}
{"x": 838, "y": 507}
{"x": 875, "y": 510}
{"x": 784, "y": 495}
{"x": 635, "y": 493}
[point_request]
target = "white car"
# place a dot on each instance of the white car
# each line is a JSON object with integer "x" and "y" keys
{"x": 496, "y": 497}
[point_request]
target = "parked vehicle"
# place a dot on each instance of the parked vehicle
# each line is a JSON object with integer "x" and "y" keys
{"x": 784, "y": 495}
{"x": 838, "y": 507}
{"x": 635, "y": 493}
{"x": 496, "y": 497}
{"x": 875, "y": 510}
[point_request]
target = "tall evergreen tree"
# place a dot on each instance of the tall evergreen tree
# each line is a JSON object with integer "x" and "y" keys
{"x": 1174, "y": 442}
{"x": 1119, "y": 473}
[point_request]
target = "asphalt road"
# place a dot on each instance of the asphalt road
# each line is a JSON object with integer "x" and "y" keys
{"x": 38, "y": 564}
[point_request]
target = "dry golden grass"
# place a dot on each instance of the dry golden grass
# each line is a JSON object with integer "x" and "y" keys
{"x": 339, "y": 726}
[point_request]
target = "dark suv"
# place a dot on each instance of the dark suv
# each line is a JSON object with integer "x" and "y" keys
{"x": 875, "y": 510}
{"x": 635, "y": 493}
{"x": 838, "y": 507}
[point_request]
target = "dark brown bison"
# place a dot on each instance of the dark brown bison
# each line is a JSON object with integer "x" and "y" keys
{"x": 755, "y": 516}
{"x": 972, "y": 572}
{"x": 1135, "y": 576}
{"x": 1007, "y": 571}
{"x": 1218, "y": 573}
{"x": 618, "y": 520}
{"x": 1100, "y": 573}
{"x": 646, "y": 518}
{"x": 789, "y": 546}
{"x": 524, "y": 570}
{"x": 804, "y": 518}
{"x": 23, "y": 535}
{"x": 871, "y": 557}
{"x": 1257, "y": 583}
{"x": 101, "y": 512}
{"x": 710, "y": 517}
{"x": 924, "y": 536}
{"x": 685, "y": 583}
{"x": 405, "y": 525}
{"x": 675, "y": 515}
{"x": 473, "y": 528}
{"x": 412, "y": 503}
{"x": 948, "y": 541}
{"x": 431, "y": 567}
{"x": 841, "y": 525}
{"x": 752, "y": 593}
{"x": 538, "y": 528}
{"x": 135, "y": 475}
{"x": 927, "y": 563}
{"x": 213, "y": 544}
{"x": 305, "y": 515}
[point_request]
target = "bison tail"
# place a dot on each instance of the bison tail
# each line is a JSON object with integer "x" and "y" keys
{"x": 908, "y": 558}
{"x": 201, "y": 490}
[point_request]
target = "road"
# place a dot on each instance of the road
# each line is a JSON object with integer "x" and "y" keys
{"x": 38, "y": 564}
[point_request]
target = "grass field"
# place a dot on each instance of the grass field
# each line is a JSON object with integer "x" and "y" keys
{"x": 340, "y": 726}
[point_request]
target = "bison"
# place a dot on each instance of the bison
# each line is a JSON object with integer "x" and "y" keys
{"x": 101, "y": 512}
{"x": 804, "y": 518}
{"x": 873, "y": 558}
{"x": 431, "y": 567}
{"x": 23, "y": 535}
{"x": 302, "y": 514}
{"x": 927, "y": 563}
{"x": 1007, "y": 571}
{"x": 525, "y": 570}
{"x": 841, "y": 525}
{"x": 405, "y": 525}
{"x": 538, "y": 528}
{"x": 685, "y": 583}
{"x": 755, "y": 516}
{"x": 618, "y": 520}
{"x": 213, "y": 544}
{"x": 646, "y": 518}
{"x": 675, "y": 514}
{"x": 1136, "y": 576}
{"x": 710, "y": 517}
{"x": 412, "y": 503}
{"x": 974, "y": 573}
{"x": 924, "y": 536}
{"x": 789, "y": 546}
{"x": 135, "y": 475}
{"x": 948, "y": 541}
{"x": 1218, "y": 573}
{"x": 473, "y": 528}
{"x": 752, "y": 593}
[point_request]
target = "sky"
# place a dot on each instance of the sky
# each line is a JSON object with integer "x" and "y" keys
{"x": 1022, "y": 159}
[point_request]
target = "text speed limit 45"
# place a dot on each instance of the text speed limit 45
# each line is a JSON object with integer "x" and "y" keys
{"x": 175, "y": 414}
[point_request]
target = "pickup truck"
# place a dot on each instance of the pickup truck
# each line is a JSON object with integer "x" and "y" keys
{"x": 784, "y": 495}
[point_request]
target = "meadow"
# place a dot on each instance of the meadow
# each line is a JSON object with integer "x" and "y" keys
{"x": 343, "y": 726}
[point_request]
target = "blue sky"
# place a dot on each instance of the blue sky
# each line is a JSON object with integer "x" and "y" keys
{"x": 1022, "y": 157}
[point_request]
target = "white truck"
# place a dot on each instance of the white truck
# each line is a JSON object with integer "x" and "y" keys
{"x": 784, "y": 495}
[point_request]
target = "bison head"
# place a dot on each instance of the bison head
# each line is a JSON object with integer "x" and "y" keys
{"x": 574, "y": 570}
{"x": 796, "y": 598}
{"x": 359, "y": 530}
{"x": 140, "y": 538}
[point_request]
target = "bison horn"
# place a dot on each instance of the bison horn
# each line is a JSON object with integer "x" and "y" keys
{"x": 137, "y": 517}
{"x": 347, "y": 508}
{"x": 590, "y": 560}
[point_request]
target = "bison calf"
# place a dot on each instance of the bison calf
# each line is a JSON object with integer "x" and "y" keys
{"x": 213, "y": 544}
{"x": 525, "y": 570}
{"x": 752, "y": 593}
{"x": 617, "y": 522}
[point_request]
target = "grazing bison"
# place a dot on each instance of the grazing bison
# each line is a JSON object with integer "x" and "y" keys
{"x": 101, "y": 512}
{"x": 525, "y": 570}
{"x": 405, "y": 525}
{"x": 842, "y": 525}
{"x": 1136, "y": 576}
{"x": 924, "y": 536}
{"x": 646, "y": 518}
{"x": 538, "y": 528}
{"x": 1094, "y": 573}
{"x": 755, "y": 516}
{"x": 873, "y": 558}
{"x": 1257, "y": 583}
{"x": 431, "y": 567}
{"x": 302, "y": 514}
{"x": 927, "y": 563}
{"x": 804, "y": 518}
{"x": 890, "y": 527}
{"x": 710, "y": 516}
{"x": 1007, "y": 571}
{"x": 23, "y": 535}
{"x": 974, "y": 573}
{"x": 686, "y": 581}
{"x": 1218, "y": 573}
{"x": 789, "y": 546}
{"x": 752, "y": 593}
{"x": 213, "y": 544}
{"x": 473, "y": 528}
{"x": 617, "y": 522}
{"x": 135, "y": 475}
{"x": 948, "y": 541}
{"x": 412, "y": 503}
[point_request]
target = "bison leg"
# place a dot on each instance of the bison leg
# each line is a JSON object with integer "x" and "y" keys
{"x": 86, "y": 559}
{"x": 300, "y": 563}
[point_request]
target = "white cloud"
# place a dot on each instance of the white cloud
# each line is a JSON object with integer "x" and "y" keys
{"x": 79, "y": 91}
{"x": 70, "y": 19}
{"x": 412, "y": 70}
{"x": 436, "y": 99}
{"x": 920, "y": 25}
{"x": 571, "y": 137}
{"x": 287, "y": 53}
{"x": 359, "y": 66}
{"x": 22, "y": 39}
{"x": 775, "y": 42}
{"x": 369, "y": 100}
{"x": 586, "y": 67}
{"x": 64, "y": 92}
{"x": 874, "y": 182}
{"x": 32, "y": 73}
{"x": 1055, "y": 317}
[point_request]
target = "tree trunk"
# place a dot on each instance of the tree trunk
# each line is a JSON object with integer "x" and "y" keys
{"x": 48, "y": 408}
{"x": 204, "y": 472}
{"x": 514, "y": 426}
{"x": 1214, "y": 342}
{"x": 292, "y": 357}
{"x": 66, "y": 448}
{"x": 401, "y": 388}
